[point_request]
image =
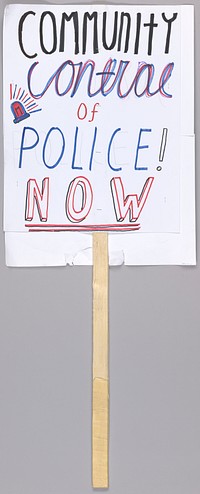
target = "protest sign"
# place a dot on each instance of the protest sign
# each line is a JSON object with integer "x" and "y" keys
{"x": 99, "y": 140}
{"x": 98, "y": 120}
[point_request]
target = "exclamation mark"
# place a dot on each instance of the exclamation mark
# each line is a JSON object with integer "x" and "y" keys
{"x": 162, "y": 148}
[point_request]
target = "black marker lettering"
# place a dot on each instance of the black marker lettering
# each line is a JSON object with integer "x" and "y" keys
{"x": 87, "y": 16}
{"x": 20, "y": 30}
{"x": 54, "y": 32}
{"x": 65, "y": 17}
{"x": 169, "y": 22}
{"x": 151, "y": 26}
{"x": 128, "y": 26}
{"x": 137, "y": 33}
{"x": 113, "y": 42}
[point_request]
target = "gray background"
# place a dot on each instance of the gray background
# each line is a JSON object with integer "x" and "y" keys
{"x": 45, "y": 372}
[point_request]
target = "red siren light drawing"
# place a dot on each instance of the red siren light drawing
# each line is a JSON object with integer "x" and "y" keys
{"x": 19, "y": 111}
{"x": 23, "y": 105}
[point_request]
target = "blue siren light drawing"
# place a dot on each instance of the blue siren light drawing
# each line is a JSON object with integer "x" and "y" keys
{"x": 19, "y": 111}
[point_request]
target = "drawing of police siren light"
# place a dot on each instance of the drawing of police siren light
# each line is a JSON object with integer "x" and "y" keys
{"x": 23, "y": 105}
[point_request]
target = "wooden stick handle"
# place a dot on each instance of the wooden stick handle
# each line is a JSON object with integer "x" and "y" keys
{"x": 100, "y": 405}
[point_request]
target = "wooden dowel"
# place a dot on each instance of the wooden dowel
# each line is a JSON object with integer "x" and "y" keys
{"x": 100, "y": 404}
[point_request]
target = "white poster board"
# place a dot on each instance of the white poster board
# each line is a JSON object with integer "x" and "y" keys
{"x": 98, "y": 130}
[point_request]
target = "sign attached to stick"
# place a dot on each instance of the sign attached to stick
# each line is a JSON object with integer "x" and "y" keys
{"x": 98, "y": 127}
{"x": 93, "y": 113}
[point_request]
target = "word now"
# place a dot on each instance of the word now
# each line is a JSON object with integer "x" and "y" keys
{"x": 79, "y": 199}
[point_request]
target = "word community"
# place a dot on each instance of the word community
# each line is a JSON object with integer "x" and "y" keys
{"x": 119, "y": 31}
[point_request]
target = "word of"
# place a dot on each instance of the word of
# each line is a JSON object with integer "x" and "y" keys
{"x": 122, "y": 28}
{"x": 83, "y": 111}
{"x": 130, "y": 205}
{"x": 141, "y": 82}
